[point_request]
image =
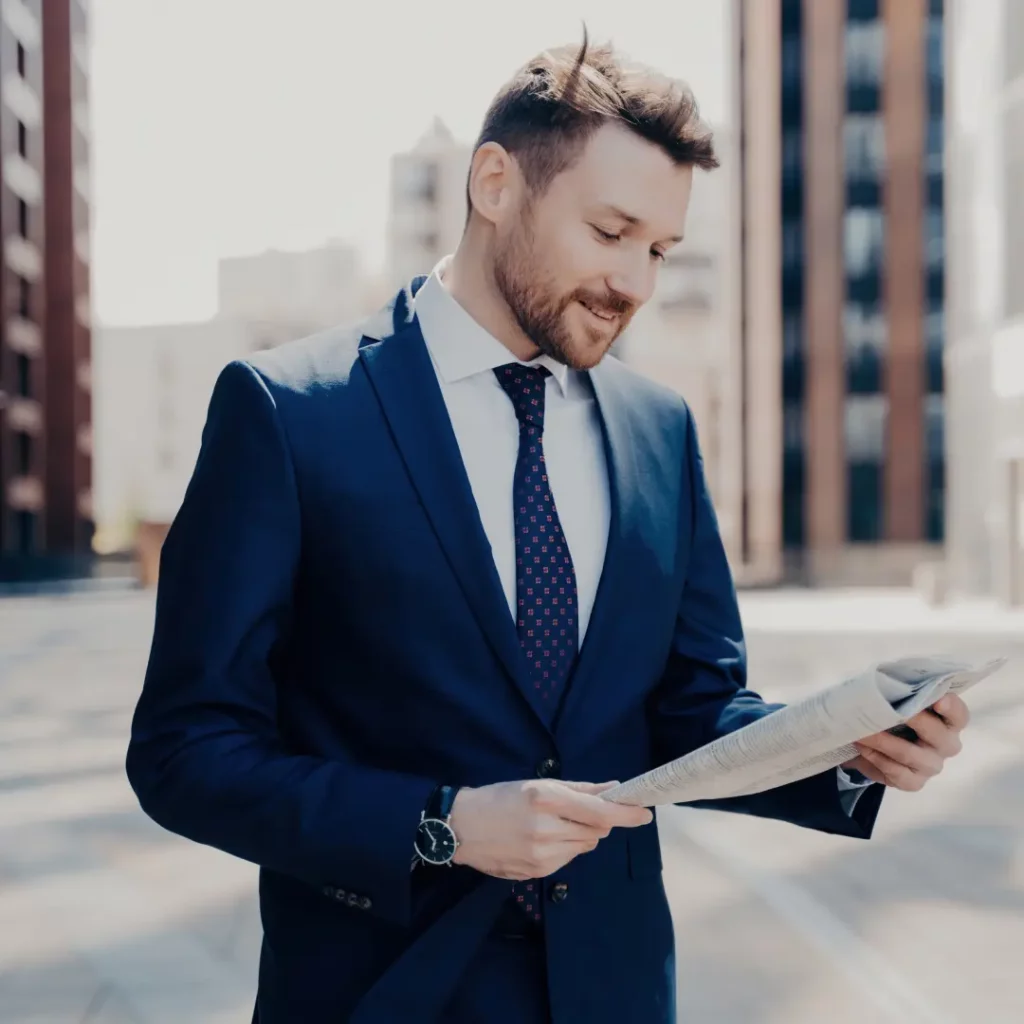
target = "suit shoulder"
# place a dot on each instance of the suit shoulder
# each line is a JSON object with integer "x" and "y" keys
{"x": 648, "y": 394}
{"x": 319, "y": 360}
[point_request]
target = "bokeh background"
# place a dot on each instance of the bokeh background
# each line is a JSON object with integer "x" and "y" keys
{"x": 184, "y": 183}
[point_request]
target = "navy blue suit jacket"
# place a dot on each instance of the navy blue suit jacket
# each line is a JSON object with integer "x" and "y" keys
{"x": 332, "y": 640}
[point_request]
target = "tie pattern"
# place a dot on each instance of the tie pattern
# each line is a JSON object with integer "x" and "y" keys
{"x": 546, "y": 597}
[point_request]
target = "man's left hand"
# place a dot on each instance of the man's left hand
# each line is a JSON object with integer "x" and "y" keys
{"x": 902, "y": 764}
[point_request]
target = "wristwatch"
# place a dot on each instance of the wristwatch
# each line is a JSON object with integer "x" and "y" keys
{"x": 436, "y": 842}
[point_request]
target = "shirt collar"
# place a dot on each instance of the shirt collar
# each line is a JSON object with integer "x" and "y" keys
{"x": 458, "y": 345}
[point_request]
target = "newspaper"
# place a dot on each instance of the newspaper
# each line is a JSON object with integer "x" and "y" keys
{"x": 806, "y": 737}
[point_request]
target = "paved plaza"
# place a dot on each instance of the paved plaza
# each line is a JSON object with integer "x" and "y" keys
{"x": 109, "y": 920}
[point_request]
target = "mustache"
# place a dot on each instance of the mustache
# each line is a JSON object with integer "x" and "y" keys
{"x": 611, "y": 302}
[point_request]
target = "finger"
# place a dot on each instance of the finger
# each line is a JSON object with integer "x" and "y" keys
{"x": 953, "y": 709}
{"x": 894, "y": 774}
{"x": 547, "y": 860}
{"x": 588, "y": 787}
{"x": 552, "y": 828}
{"x": 866, "y": 768}
{"x": 589, "y": 809}
{"x": 936, "y": 733}
{"x": 917, "y": 757}
{"x": 560, "y": 855}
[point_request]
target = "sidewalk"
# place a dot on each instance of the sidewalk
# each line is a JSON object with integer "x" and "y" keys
{"x": 873, "y": 611}
{"x": 110, "y": 920}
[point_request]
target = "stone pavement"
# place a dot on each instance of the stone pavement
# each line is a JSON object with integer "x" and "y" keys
{"x": 109, "y": 920}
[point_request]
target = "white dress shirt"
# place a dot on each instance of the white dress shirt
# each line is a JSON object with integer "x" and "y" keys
{"x": 465, "y": 355}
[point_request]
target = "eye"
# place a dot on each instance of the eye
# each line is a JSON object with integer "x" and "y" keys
{"x": 605, "y": 236}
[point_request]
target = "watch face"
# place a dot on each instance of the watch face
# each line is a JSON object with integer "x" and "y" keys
{"x": 435, "y": 841}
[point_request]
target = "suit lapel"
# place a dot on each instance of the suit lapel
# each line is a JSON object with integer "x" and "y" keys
{"x": 620, "y": 593}
{"x": 402, "y": 375}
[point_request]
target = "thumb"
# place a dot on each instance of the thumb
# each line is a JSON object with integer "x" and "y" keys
{"x": 589, "y": 787}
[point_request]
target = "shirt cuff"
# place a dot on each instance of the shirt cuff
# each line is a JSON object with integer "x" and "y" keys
{"x": 852, "y": 785}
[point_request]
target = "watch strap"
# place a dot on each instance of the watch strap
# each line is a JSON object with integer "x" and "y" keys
{"x": 446, "y": 800}
{"x": 440, "y": 803}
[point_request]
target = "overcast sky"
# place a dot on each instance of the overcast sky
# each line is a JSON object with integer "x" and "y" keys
{"x": 226, "y": 127}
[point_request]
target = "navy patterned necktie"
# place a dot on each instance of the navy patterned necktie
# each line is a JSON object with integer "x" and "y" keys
{"x": 547, "y": 609}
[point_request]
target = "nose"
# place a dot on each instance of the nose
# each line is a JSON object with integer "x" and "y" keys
{"x": 634, "y": 281}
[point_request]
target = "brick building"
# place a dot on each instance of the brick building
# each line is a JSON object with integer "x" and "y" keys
{"x": 45, "y": 382}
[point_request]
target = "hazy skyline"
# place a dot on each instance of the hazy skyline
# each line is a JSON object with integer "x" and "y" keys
{"x": 227, "y": 128}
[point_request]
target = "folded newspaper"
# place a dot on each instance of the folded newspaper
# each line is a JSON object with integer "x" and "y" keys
{"x": 807, "y": 737}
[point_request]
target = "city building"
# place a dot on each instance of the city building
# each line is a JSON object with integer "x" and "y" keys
{"x": 684, "y": 337}
{"x": 153, "y": 383}
{"x": 45, "y": 379}
{"x": 985, "y": 281}
{"x": 153, "y": 387}
{"x": 839, "y": 107}
{"x": 427, "y": 208}
{"x": 316, "y": 287}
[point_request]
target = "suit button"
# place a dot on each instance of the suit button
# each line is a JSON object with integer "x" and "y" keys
{"x": 549, "y": 768}
{"x": 559, "y": 892}
{"x": 365, "y": 903}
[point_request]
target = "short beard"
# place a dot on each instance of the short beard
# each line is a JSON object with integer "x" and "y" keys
{"x": 534, "y": 302}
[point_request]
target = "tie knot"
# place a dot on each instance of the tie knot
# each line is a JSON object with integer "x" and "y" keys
{"x": 525, "y": 386}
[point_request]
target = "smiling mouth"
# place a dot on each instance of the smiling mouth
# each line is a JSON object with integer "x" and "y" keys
{"x": 605, "y": 315}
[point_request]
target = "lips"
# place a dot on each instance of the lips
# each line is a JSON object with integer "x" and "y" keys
{"x": 602, "y": 314}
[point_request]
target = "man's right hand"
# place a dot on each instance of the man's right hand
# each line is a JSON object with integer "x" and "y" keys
{"x": 530, "y": 829}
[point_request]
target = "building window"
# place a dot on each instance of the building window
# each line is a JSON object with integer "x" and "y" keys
{"x": 792, "y": 62}
{"x": 863, "y": 240}
{"x": 864, "y": 337}
{"x": 862, "y": 10}
{"x": 935, "y": 476}
{"x": 934, "y": 428}
{"x": 934, "y": 339}
{"x": 25, "y": 528}
{"x": 24, "y": 371}
{"x": 792, "y": 154}
{"x": 864, "y": 428}
{"x": 934, "y": 239}
{"x": 933, "y": 158}
{"x": 863, "y": 147}
{"x": 419, "y": 182}
{"x": 864, "y": 523}
{"x": 792, "y": 245}
{"x": 865, "y": 57}
{"x": 24, "y": 453}
{"x": 933, "y": 51}
{"x": 865, "y": 418}
{"x": 791, "y": 100}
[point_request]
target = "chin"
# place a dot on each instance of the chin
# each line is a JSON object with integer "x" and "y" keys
{"x": 585, "y": 355}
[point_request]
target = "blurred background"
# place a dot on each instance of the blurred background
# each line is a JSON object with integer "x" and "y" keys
{"x": 184, "y": 183}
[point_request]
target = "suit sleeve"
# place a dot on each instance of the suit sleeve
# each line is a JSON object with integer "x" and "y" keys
{"x": 205, "y": 757}
{"x": 703, "y": 693}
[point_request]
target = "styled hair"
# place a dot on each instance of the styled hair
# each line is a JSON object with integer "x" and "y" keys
{"x": 546, "y": 113}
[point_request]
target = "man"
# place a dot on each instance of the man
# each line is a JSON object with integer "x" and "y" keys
{"x": 427, "y": 570}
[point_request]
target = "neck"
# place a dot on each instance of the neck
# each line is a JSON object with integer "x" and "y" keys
{"x": 469, "y": 279}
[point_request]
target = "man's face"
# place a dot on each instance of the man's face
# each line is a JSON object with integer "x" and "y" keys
{"x": 576, "y": 263}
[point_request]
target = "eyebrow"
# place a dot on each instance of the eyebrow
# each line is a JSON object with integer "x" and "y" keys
{"x": 632, "y": 221}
